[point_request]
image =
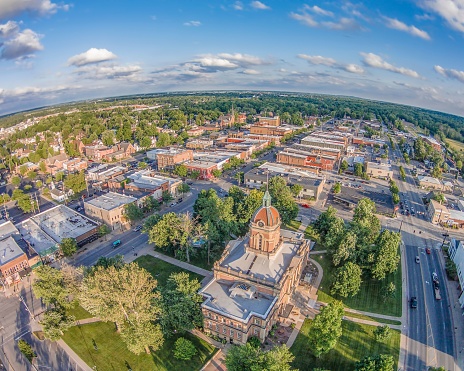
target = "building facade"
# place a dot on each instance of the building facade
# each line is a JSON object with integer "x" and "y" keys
{"x": 254, "y": 279}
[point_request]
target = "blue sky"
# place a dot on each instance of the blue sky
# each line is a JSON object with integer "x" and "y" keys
{"x": 403, "y": 51}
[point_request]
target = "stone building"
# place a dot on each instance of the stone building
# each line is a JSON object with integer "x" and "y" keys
{"x": 255, "y": 279}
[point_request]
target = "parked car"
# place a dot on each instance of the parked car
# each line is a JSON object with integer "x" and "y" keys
{"x": 172, "y": 204}
{"x": 414, "y": 302}
{"x": 428, "y": 251}
{"x": 306, "y": 206}
{"x": 417, "y": 259}
{"x": 137, "y": 228}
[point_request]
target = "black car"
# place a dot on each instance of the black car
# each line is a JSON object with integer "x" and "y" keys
{"x": 414, "y": 302}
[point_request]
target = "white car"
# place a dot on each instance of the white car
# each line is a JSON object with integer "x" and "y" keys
{"x": 172, "y": 204}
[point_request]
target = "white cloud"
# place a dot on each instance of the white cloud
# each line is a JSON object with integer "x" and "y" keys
{"x": 376, "y": 61}
{"x": 8, "y": 29}
{"x": 450, "y": 73}
{"x": 93, "y": 55}
{"x": 330, "y": 62}
{"x": 317, "y": 59}
{"x": 242, "y": 58}
{"x": 309, "y": 20}
{"x": 451, "y": 10}
{"x": 109, "y": 71}
{"x": 238, "y": 5}
{"x": 424, "y": 17}
{"x": 259, "y": 5}
{"x": 11, "y": 8}
{"x": 413, "y": 30}
{"x": 21, "y": 45}
{"x": 343, "y": 24}
{"x": 192, "y": 23}
{"x": 320, "y": 11}
{"x": 304, "y": 18}
{"x": 215, "y": 62}
{"x": 251, "y": 72}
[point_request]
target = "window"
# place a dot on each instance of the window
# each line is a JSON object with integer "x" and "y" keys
{"x": 256, "y": 331}
{"x": 224, "y": 329}
{"x": 257, "y": 321}
{"x": 209, "y": 314}
{"x": 217, "y": 327}
{"x": 210, "y": 325}
{"x": 239, "y": 335}
{"x": 239, "y": 326}
{"x": 231, "y": 333}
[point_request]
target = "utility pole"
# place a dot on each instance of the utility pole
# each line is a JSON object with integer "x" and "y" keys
{"x": 37, "y": 201}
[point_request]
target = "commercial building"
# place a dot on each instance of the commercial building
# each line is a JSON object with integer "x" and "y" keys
{"x": 13, "y": 261}
{"x": 437, "y": 212}
{"x": 148, "y": 181}
{"x": 324, "y": 143}
{"x": 172, "y": 157}
{"x": 279, "y": 131}
{"x": 456, "y": 253}
{"x": 75, "y": 165}
{"x": 104, "y": 172}
{"x": 199, "y": 144}
{"x": 312, "y": 184}
{"x": 254, "y": 279}
{"x": 109, "y": 209}
{"x": 428, "y": 182}
{"x": 272, "y": 121}
{"x": 55, "y": 164}
{"x": 379, "y": 170}
{"x": 296, "y": 157}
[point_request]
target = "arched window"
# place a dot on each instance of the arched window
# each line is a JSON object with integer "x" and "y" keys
{"x": 260, "y": 242}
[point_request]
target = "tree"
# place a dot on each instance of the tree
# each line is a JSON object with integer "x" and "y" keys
{"x": 31, "y": 174}
{"x": 166, "y": 197}
{"x": 68, "y": 246}
{"x": 150, "y": 204}
{"x": 55, "y": 322}
{"x": 382, "y": 333}
{"x": 132, "y": 212}
{"x": 195, "y": 174}
{"x": 181, "y": 170}
{"x": 49, "y": 286}
{"x": 326, "y": 328}
{"x": 59, "y": 176}
{"x": 124, "y": 296}
{"x": 145, "y": 142}
{"x": 358, "y": 169}
{"x": 103, "y": 230}
{"x": 282, "y": 199}
{"x": 388, "y": 291}
{"x": 386, "y": 254}
{"x": 324, "y": 221}
{"x": 248, "y": 358}
{"x": 142, "y": 335}
{"x": 343, "y": 166}
{"x": 459, "y": 164}
{"x": 23, "y": 170}
{"x": 42, "y": 167}
{"x": 183, "y": 188}
{"x": 337, "y": 188}
{"x": 39, "y": 184}
{"x": 347, "y": 280}
{"x": 181, "y": 304}
{"x": 382, "y": 362}
{"x": 345, "y": 249}
{"x": 184, "y": 349}
{"x": 26, "y": 349}
{"x": 116, "y": 261}
{"x": 76, "y": 182}
{"x": 142, "y": 165}
{"x": 16, "y": 181}
{"x": 217, "y": 173}
{"x": 439, "y": 197}
{"x": 395, "y": 198}
{"x": 334, "y": 236}
{"x": 107, "y": 137}
{"x": 296, "y": 189}
{"x": 365, "y": 224}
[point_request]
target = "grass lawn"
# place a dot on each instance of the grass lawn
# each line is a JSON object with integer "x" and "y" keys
{"x": 293, "y": 225}
{"x": 372, "y": 318}
{"x": 311, "y": 233}
{"x": 161, "y": 270}
{"x": 454, "y": 144}
{"x": 78, "y": 312}
{"x": 198, "y": 261}
{"x": 356, "y": 342}
{"x": 112, "y": 353}
{"x": 369, "y": 297}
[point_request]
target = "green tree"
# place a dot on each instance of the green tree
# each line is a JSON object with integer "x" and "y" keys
{"x": 365, "y": 224}
{"x": 59, "y": 176}
{"x": 296, "y": 189}
{"x": 68, "y": 246}
{"x": 150, "y": 204}
{"x": 150, "y": 222}
{"x": 459, "y": 164}
{"x": 382, "y": 362}
{"x": 108, "y": 137}
{"x": 326, "y": 328}
{"x": 402, "y": 173}
{"x": 183, "y": 188}
{"x": 16, "y": 181}
{"x": 217, "y": 173}
{"x": 343, "y": 166}
{"x": 103, "y": 230}
{"x": 440, "y": 197}
{"x": 195, "y": 174}
{"x": 282, "y": 199}
{"x": 347, "y": 280}
{"x": 132, "y": 212}
{"x": 140, "y": 336}
{"x": 31, "y": 174}
{"x": 181, "y": 304}
{"x": 388, "y": 291}
{"x": 145, "y": 142}
{"x": 345, "y": 250}
{"x": 26, "y": 349}
{"x": 142, "y": 165}
{"x": 76, "y": 182}
{"x": 337, "y": 188}
{"x": 39, "y": 184}
{"x": 184, "y": 349}
{"x": 386, "y": 254}
{"x": 42, "y": 167}
{"x": 382, "y": 333}
{"x": 23, "y": 170}
{"x": 395, "y": 198}
{"x": 55, "y": 322}
{"x": 248, "y": 358}
{"x": 166, "y": 197}
{"x": 49, "y": 286}
{"x": 324, "y": 221}
{"x": 181, "y": 170}
{"x": 358, "y": 169}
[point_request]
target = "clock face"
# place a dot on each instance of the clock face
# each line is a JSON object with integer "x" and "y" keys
{"x": 260, "y": 223}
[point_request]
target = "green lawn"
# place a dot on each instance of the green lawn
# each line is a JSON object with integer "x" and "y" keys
{"x": 112, "y": 353}
{"x": 292, "y": 226}
{"x": 161, "y": 270}
{"x": 368, "y": 298}
{"x": 78, "y": 312}
{"x": 311, "y": 233}
{"x": 356, "y": 342}
{"x": 456, "y": 145}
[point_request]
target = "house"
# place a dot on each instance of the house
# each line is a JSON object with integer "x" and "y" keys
{"x": 119, "y": 151}
{"x": 75, "y": 165}
{"x": 59, "y": 195}
{"x": 97, "y": 152}
{"x": 254, "y": 279}
{"x": 55, "y": 164}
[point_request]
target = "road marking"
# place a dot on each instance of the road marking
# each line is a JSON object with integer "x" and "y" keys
{"x": 21, "y": 335}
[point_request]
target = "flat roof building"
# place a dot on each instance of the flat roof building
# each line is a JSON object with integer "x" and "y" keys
{"x": 324, "y": 143}
{"x": 376, "y": 170}
{"x": 13, "y": 261}
{"x": 109, "y": 209}
{"x": 429, "y": 182}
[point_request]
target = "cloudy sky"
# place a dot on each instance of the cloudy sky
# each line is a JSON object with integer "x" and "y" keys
{"x": 404, "y": 51}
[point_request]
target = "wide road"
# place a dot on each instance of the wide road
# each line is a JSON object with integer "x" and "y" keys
{"x": 429, "y": 327}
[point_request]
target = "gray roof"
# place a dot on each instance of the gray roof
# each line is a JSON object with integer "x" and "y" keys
{"x": 222, "y": 298}
{"x": 261, "y": 175}
{"x": 270, "y": 269}
{"x": 111, "y": 200}
{"x": 9, "y": 250}
{"x": 7, "y": 228}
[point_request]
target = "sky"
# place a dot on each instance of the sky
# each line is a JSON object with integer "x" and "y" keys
{"x": 401, "y": 51}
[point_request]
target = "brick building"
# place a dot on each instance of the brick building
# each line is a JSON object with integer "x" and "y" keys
{"x": 169, "y": 159}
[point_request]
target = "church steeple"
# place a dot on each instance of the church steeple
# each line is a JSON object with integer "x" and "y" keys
{"x": 267, "y": 199}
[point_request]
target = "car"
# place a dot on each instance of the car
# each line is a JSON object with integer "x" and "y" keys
{"x": 413, "y": 302}
{"x": 434, "y": 277}
{"x": 428, "y": 251}
{"x": 172, "y": 204}
{"x": 417, "y": 259}
{"x": 137, "y": 228}
{"x": 306, "y": 206}
{"x": 180, "y": 200}
{"x": 116, "y": 243}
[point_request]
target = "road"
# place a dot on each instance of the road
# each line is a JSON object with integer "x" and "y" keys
{"x": 429, "y": 327}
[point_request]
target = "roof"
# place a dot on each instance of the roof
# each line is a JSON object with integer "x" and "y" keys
{"x": 456, "y": 214}
{"x": 381, "y": 166}
{"x": 429, "y": 179}
{"x": 145, "y": 179}
{"x": 267, "y": 268}
{"x": 111, "y": 200}
{"x": 223, "y": 297}
{"x": 42, "y": 243}
{"x": 9, "y": 250}
{"x": 7, "y": 228}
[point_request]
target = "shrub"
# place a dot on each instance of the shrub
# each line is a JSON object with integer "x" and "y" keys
{"x": 184, "y": 349}
{"x": 26, "y": 349}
